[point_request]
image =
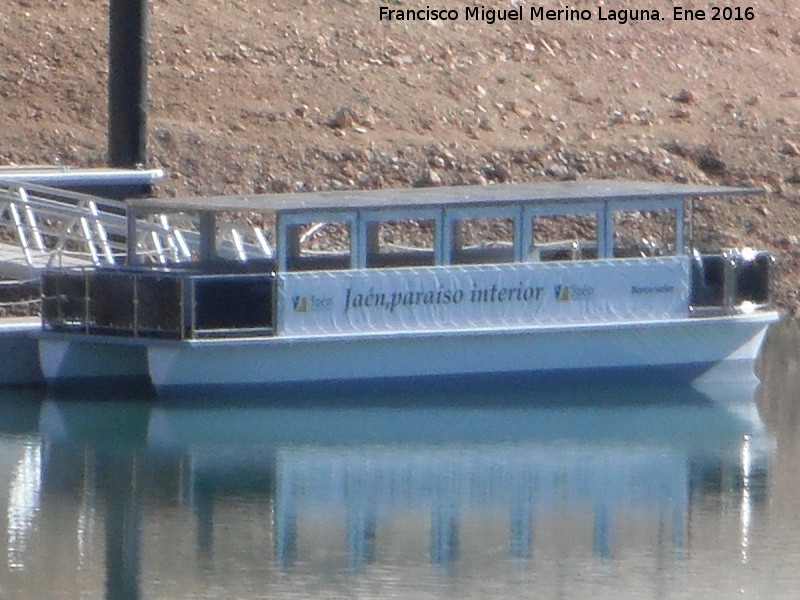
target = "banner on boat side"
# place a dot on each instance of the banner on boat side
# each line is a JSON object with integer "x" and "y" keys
{"x": 465, "y": 297}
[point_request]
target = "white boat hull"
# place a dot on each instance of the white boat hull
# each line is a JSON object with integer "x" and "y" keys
{"x": 701, "y": 351}
{"x": 67, "y": 362}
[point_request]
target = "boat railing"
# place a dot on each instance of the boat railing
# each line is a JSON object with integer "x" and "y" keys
{"x": 169, "y": 303}
{"x": 567, "y": 249}
{"x": 394, "y": 255}
{"x": 19, "y": 298}
{"x": 319, "y": 260}
{"x": 486, "y": 252}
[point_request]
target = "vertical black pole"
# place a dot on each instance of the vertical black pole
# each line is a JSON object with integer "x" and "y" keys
{"x": 123, "y": 525}
{"x": 127, "y": 83}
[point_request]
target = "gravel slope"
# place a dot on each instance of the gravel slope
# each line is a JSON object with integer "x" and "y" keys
{"x": 254, "y": 96}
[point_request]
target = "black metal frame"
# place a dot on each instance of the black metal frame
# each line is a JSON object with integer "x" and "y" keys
{"x": 159, "y": 303}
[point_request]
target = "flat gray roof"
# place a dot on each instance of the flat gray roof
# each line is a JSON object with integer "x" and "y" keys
{"x": 432, "y": 197}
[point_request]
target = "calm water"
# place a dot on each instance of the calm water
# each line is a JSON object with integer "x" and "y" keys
{"x": 547, "y": 493}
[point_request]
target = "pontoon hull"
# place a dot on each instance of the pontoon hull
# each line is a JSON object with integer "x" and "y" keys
{"x": 67, "y": 362}
{"x": 699, "y": 351}
{"x": 19, "y": 349}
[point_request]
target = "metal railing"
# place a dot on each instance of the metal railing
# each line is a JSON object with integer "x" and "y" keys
{"x": 58, "y": 228}
{"x": 19, "y": 298}
{"x": 158, "y": 303}
{"x": 54, "y": 227}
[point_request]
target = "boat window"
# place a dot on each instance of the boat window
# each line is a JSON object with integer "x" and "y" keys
{"x": 400, "y": 243}
{"x": 483, "y": 240}
{"x": 166, "y": 239}
{"x": 645, "y": 233}
{"x": 318, "y": 246}
{"x": 564, "y": 237}
{"x": 240, "y": 241}
{"x": 246, "y": 237}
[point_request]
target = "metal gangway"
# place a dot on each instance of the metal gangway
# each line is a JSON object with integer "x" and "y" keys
{"x": 48, "y": 227}
{"x": 43, "y": 227}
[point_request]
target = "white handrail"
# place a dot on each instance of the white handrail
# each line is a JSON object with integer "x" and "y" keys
{"x": 60, "y": 227}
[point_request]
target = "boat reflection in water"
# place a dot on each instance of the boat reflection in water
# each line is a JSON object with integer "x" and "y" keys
{"x": 384, "y": 482}
{"x": 459, "y": 465}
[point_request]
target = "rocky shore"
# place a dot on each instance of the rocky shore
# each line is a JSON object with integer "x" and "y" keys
{"x": 251, "y": 97}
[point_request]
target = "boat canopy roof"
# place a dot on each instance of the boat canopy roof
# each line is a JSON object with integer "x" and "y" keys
{"x": 436, "y": 197}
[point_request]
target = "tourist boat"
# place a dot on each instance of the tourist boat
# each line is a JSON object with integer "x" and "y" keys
{"x": 532, "y": 281}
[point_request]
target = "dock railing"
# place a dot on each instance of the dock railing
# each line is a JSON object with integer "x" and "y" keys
{"x": 170, "y": 303}
{"x": 46, "y": 227}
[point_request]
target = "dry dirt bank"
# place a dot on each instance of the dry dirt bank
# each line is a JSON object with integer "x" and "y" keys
{"x": 252, "y": 96}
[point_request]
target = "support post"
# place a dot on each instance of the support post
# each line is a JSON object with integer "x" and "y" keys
{"x": 132, "y": 238}
{"x": 127, "y": 83}
{"x": 208, "y": 236}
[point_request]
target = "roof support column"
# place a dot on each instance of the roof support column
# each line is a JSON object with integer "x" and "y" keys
{"x": 132, "y": 241}
{"x": 208, "y": 236}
